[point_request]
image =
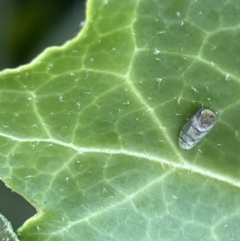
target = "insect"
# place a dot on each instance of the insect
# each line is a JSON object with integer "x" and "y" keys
{"x": 196, "y": 128}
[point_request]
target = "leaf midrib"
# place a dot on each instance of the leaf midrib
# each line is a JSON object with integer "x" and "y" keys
{"x": 185, "y": 165}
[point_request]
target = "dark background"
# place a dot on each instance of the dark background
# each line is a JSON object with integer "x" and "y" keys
{"x": 27, "y": 27}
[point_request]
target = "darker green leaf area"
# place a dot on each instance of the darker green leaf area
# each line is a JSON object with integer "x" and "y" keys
{"x": 110, "y": 52}
{"x": 177, "y": 37}
{"x": 222, "y": 48}
{"x": 90, "y": 131}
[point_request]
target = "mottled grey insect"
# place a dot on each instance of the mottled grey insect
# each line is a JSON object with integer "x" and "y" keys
{"x": 196, "y": 128}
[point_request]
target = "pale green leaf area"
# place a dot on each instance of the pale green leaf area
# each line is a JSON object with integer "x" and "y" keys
{"x": 89, "y": 131}
{"x": 6, "y": 231}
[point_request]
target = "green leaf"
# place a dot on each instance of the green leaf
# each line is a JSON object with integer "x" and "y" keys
{"x": 89, "y": 131}
{"x": 6, "y": 231}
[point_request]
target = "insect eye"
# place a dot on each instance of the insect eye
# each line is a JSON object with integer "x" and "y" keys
{"x": 207, "y": 118}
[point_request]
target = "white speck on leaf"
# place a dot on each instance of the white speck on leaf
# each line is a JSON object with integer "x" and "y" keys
{"x": 150, "y": 110}
{"x": 161, "y": 32}
{"x": 162, "y": 127}
{"x": 194, "y": 89}
{"x": 49, "y": 66}
{"x": 237, "y": 133}
{"x": 213, "y": 47}
{"x": 227, "y": 77}
{"x": 156, "y": 51}
{"x": 199, "y": 13}
{"x": 173, "y": 196}
{"x": 159, "y": 80}
{"x": 178, "y": 100}
{"x": 104, "y": 189}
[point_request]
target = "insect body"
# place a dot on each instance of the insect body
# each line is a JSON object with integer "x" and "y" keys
{"x": 196, "y": 128}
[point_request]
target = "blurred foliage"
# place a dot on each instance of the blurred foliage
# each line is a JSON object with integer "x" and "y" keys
{"x": 26, "y": 23}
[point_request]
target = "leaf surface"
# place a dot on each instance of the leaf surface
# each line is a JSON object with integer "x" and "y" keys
{"x": 89, "y": 131}
{"x": 6, "y": 230}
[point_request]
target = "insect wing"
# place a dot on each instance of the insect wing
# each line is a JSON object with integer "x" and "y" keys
{"x": 196, "y": 129}
{"x": 185, "y": 138}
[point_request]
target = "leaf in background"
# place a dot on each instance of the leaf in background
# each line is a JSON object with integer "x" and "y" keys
{"x": 89, "y": 132}
{"x": 6, "y": 231}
